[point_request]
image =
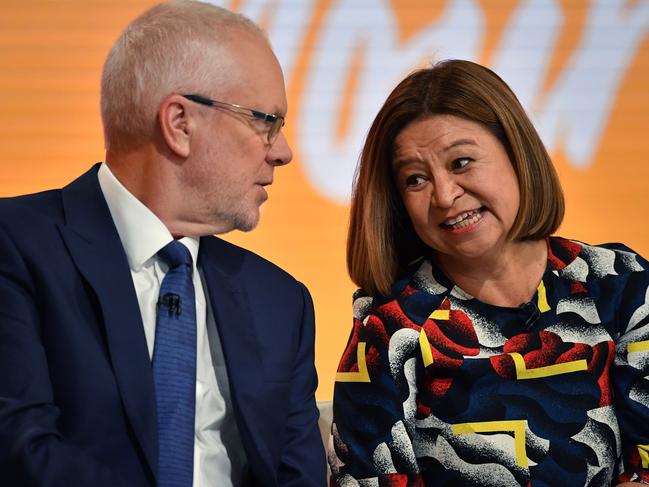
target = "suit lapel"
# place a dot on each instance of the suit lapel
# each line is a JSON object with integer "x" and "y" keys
{"x": 221, "y": 268}
{"x": 96, "y": 249}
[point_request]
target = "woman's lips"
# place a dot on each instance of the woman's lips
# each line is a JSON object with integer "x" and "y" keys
{"x": 464, "y": 219}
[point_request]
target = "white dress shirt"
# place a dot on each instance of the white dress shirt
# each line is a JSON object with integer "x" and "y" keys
{"x": 219, "y": 458}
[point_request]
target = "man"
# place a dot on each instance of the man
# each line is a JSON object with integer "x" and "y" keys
{"x": 135, "y": 348}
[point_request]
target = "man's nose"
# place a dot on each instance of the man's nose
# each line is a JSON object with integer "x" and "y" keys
{"x": 280, "y": 153}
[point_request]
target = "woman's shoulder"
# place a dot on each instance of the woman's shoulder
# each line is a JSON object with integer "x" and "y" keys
{"x": 581, "y": 261}
{"x": 419, "y": 289}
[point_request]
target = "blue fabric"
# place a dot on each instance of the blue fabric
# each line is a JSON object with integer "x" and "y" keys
{"x": 403, "y": 419}
{"x": 76, "y": 379}
{"x": 174, "y": 368}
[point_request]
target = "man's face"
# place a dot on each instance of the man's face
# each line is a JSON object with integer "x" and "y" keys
{"x": 232, "y": 162}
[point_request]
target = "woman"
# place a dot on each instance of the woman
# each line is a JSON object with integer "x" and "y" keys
{"x": 484, "y": 351}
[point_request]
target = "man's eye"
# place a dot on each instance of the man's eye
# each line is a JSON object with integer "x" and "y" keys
{"x": 260, "y": 123}
{"x": 414, "y": 180}
{"x": 260, "y": 118}
{"x": 461, "y": 162}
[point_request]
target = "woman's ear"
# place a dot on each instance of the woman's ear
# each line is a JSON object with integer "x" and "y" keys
{"x": 175, "y": 124}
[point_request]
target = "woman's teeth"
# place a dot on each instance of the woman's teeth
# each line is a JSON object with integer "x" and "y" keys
{"x": 464, "y": 220}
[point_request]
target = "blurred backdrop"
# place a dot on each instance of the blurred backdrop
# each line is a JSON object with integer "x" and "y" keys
{"x": 580, "y": 68}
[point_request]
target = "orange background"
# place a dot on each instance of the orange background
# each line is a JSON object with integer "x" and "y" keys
{"x": 51, "y": 53}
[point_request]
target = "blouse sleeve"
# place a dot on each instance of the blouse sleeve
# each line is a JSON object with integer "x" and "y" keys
{"x": 631, "y": 374}
{"x": 371, "y": 436}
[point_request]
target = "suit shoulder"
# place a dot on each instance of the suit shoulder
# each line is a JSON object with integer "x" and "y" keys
{"x": 23, "y": 209}
{"x": 237, "y": 258}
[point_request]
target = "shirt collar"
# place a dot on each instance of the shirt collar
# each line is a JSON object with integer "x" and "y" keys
{"x": 142, "y": 233}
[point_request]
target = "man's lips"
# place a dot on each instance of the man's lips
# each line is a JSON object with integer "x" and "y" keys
{"x": 263, "y": 186}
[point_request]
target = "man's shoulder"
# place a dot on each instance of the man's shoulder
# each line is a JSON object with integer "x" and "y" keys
{"x": 47, "y": 207}
{"x": 25, "y": 210}
{"x": 238, "y": 260}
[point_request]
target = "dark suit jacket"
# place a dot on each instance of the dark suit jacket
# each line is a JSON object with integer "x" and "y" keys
{"x": 77, "y": 405}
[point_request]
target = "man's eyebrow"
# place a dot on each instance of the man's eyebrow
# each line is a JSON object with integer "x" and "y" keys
{"x": 278, "y": 111}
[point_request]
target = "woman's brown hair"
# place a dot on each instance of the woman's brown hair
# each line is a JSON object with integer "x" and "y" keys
{"x": 381, "y": 240}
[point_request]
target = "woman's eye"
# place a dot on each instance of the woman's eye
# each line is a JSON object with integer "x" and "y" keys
{"x": 461, "y": 162}
{"x": 414, "y": 180}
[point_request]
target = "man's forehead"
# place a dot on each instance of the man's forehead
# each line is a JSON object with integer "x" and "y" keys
{"x": 249, "y": 73}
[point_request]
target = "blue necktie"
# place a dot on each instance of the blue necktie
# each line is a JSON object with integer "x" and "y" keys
{"x": 174, "y": 368}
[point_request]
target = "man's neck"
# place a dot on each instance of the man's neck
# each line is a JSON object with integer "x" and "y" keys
{"x": 155, "y": 181}
{"x": 148, "y": 176}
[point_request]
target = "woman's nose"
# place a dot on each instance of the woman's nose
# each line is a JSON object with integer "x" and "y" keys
{"x": 446, "y": 190}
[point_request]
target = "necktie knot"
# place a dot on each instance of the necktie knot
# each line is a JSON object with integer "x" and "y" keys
{"x": 175, "y": 254}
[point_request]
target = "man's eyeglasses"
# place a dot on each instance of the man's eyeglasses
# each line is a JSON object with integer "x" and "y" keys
{"x": 275, "y": 121}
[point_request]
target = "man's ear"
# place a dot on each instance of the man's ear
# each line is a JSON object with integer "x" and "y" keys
{"x": 175, "y": 124}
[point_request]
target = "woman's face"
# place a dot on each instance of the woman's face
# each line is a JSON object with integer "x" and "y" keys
{"x": 458, "y": 186}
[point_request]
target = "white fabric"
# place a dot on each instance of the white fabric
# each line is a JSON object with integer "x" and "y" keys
{"x": 218, "y": 454}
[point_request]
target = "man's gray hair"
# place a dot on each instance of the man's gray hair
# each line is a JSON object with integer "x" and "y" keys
{"x": 170, "y": 48}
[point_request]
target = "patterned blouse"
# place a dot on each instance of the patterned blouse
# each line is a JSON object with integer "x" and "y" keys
{"x": 437, "y": 388}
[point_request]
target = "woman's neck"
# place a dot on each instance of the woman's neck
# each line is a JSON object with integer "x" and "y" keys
{"x": 508, "y": 277}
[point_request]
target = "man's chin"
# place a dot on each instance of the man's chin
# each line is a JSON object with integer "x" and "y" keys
{"x": 246, "y": 223}
{"x": 247, "y": 227}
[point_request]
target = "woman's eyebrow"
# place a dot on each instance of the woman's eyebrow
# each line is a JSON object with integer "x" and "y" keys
{"x": 459, "y": 142}
{"x": 398, "y": 164}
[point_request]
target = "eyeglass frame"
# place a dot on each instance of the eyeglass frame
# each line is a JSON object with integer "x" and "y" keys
{"x": 276, "y": 121}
